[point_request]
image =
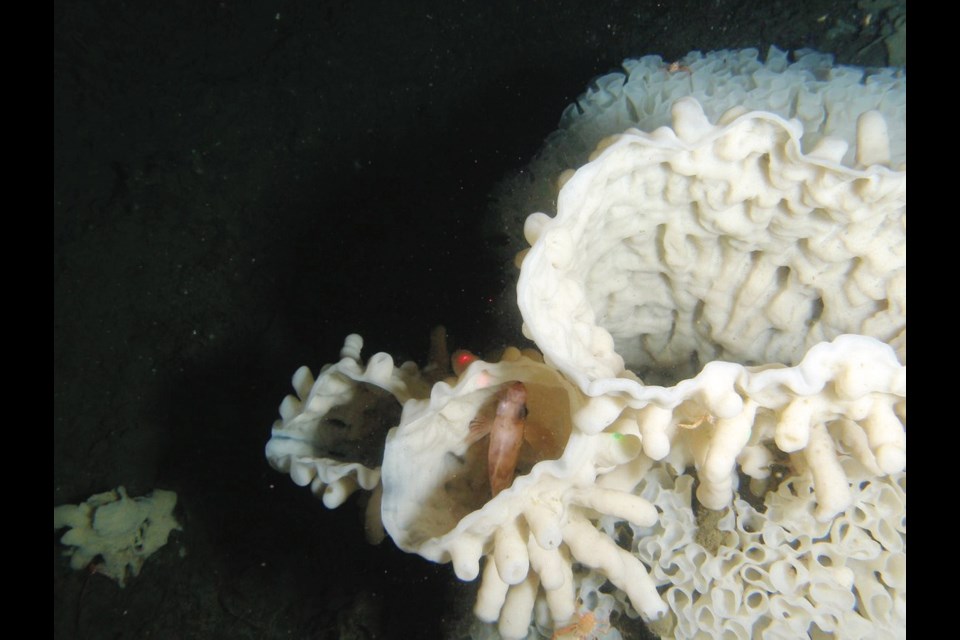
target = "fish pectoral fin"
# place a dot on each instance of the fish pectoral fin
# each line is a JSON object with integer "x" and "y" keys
{"x": 479, "y": 428}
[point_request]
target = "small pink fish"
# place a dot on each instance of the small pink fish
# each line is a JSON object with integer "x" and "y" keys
{"x": 506, "y": 435}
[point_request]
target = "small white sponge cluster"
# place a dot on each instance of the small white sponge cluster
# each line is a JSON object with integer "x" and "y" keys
{"x": 113, "y": 534}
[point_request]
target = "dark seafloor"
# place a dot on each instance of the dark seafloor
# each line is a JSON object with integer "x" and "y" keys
{"x": 237, "y": 186}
